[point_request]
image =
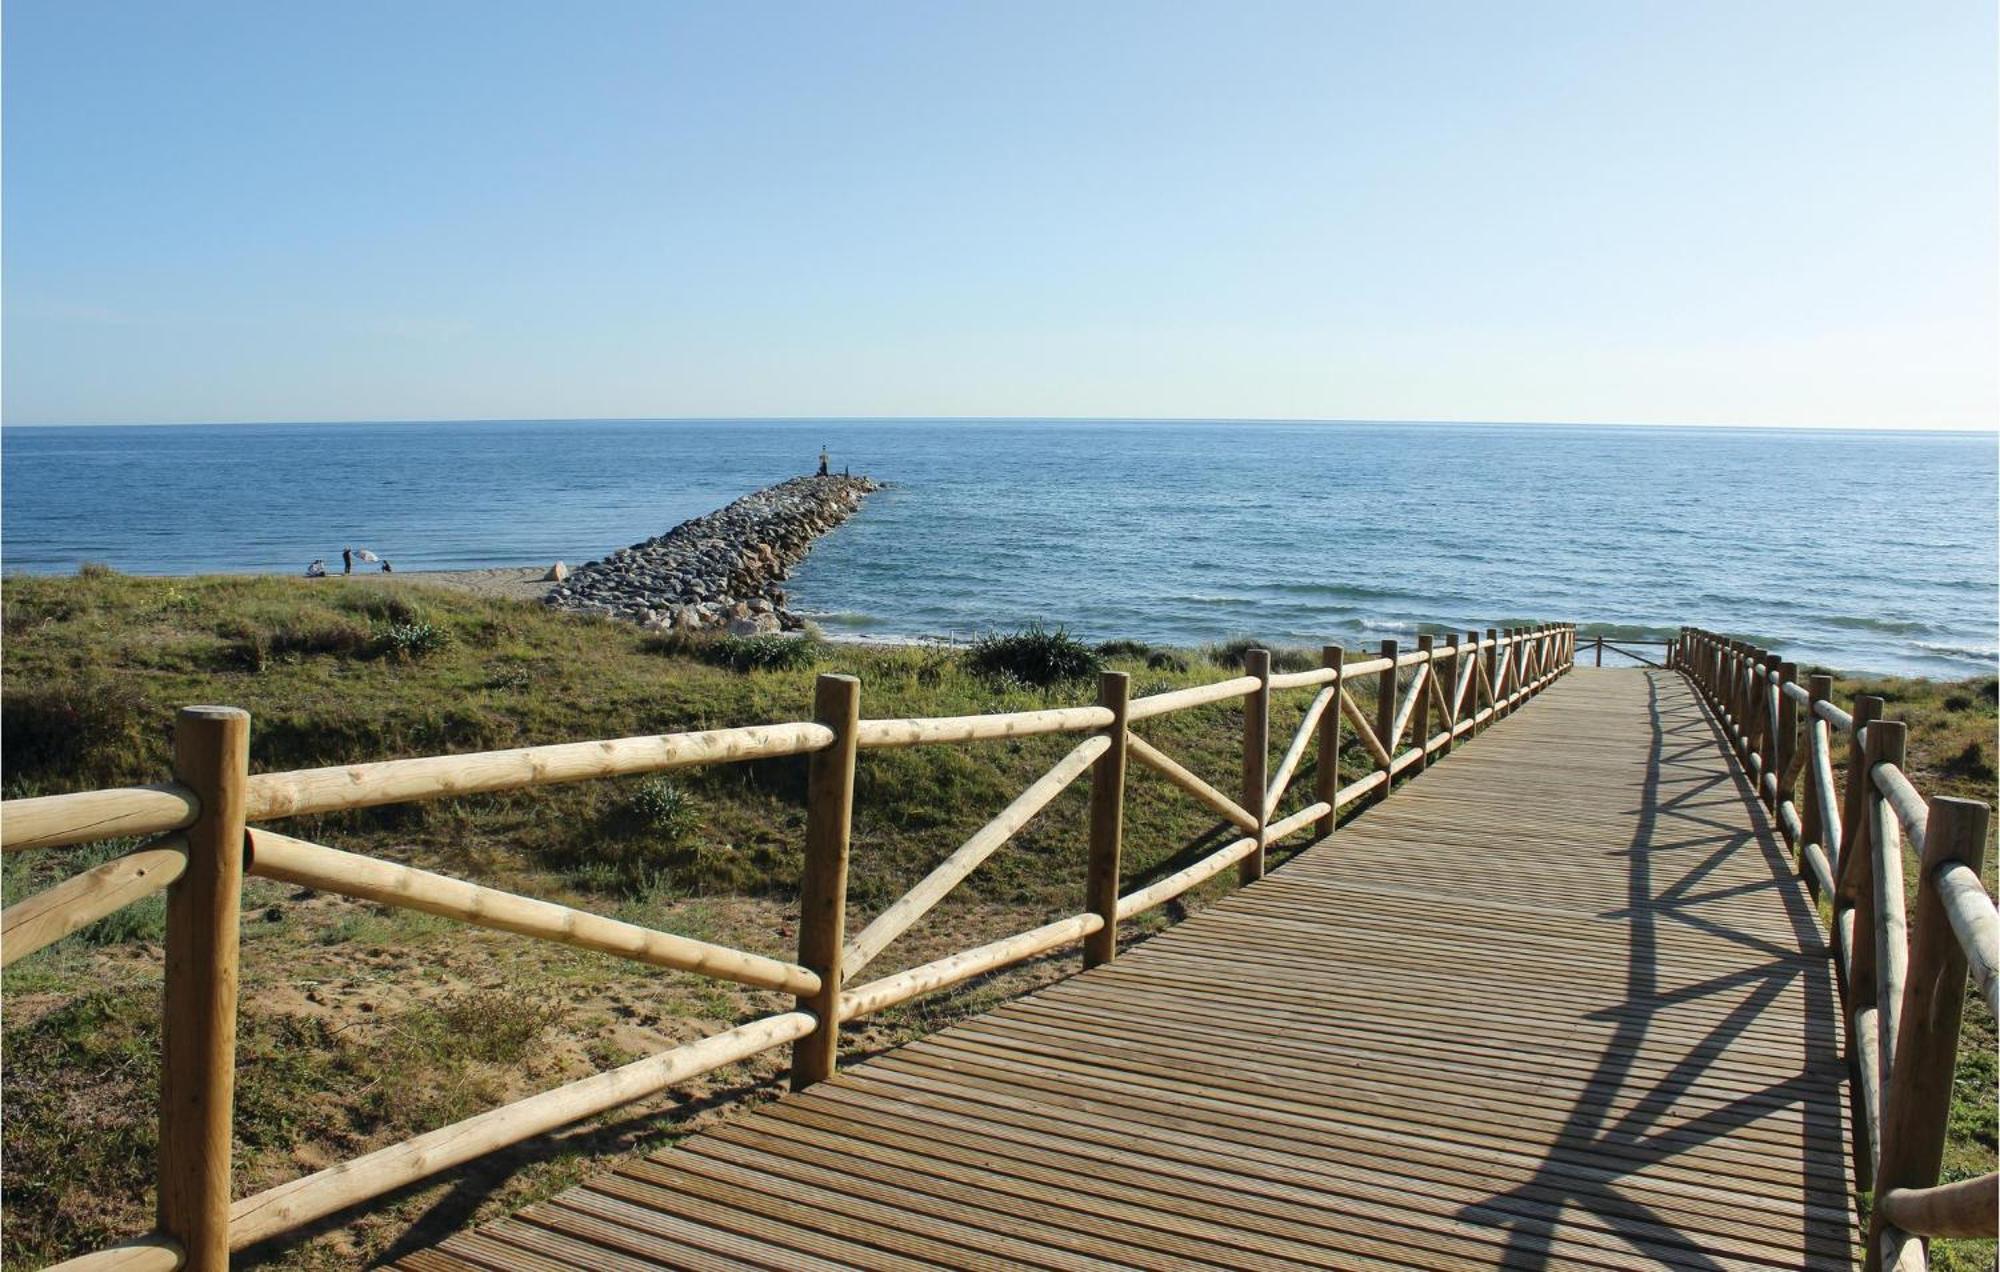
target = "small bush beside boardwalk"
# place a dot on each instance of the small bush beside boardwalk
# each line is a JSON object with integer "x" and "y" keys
{"x": 362, "y": 1026}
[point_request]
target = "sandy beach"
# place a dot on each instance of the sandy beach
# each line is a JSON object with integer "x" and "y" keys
{"x": 511, "y": 582}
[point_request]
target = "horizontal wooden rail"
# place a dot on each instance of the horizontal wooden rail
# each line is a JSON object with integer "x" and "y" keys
{"x": 56, "y": 821}
{"x": 1306, "y": 679}
{"x": 1199, "y": 696}
{"x": 1163, "y": 890}
{"x": 301, "y": 1201}
{"x": 1964, "y": 1209}
{"x": 155, "y": 1253}
{"x": 934, "y": 887}
{"x": 1976, "y": 923}
{"x": 877, "y": 734}
{"x": 879, "y": 995}
{"x": 275, "y": 856}
{"x": 1835, "y": 716}
{"x": 1910, "y": 808}
{"x": 327, "y": 790}
{"x": 1295, "y": 823}
{"x": 50, "y": 915}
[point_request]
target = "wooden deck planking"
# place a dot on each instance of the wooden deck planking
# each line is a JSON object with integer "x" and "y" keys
{"x": 1556, "y": 1002}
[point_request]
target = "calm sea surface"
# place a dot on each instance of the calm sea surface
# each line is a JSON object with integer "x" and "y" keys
{"x": 1866, "y": 551}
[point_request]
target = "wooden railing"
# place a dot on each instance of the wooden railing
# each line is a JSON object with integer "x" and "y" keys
{"x": 1902, "y": 984}
{"x": 1596, "y": 645}
{"x": 1435, "y": 696}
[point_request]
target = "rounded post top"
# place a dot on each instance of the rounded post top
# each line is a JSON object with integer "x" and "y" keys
{"x": 1389, "y": 648}
{"x": 1257, "y": 662}
{"x": 1885, "y": 742}
{"x": 1956, "y": 831}
{"x": 213, "y": 713}
{"x": 1426, "y": 641}
{"x": 1113, "y": 685}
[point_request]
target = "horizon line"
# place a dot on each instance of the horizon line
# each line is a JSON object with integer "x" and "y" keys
{"x": 1014, "y": 419}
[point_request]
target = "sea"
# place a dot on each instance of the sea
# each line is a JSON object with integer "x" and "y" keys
{"x": 1864, "y": 551}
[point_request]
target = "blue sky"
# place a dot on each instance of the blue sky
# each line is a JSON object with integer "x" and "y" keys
{"x": 1752, "y": 213}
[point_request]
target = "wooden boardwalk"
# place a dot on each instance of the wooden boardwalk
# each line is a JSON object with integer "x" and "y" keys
{"x": 1559, "y": 1002}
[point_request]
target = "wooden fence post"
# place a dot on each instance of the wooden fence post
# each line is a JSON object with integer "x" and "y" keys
{"x": 1854, "y": 920}
{"x": 1107, "y": 821}
{"x": 1256, "y": 756}
{"x": 1787, "y": 744}
{"x": 198, "y": 1043}
{"x": 1916, "y": 1103}
{"x": 1326, "y": 775}
{"x": 1853, "y": 811}
{"x": 1493, "y": 675}
{"x": 1811, "y": 829}
{"x": 1385, "y": 715}
{"x": 1420, "y": 719}
{"x": 823, "y": 889}
{"x": 1454, "y": 658}
{"x": 1600, "y": 650}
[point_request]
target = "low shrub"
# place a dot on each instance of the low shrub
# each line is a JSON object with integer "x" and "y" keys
{"x": 1124, "y": 649}
{"x": 761, "y": 653}
{"x": 1166, "y": 660}
{"x": 411, "y": 642}
{"x": 1035, "y": 656}
{"x": 773, "y": 652}
{"x": 95, "y": 570}
{"x": 656, "y": 806}
{"x": 1230, "y": 654}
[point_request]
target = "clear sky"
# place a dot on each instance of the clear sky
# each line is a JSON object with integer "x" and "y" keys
{"x": 1601, "y": 210}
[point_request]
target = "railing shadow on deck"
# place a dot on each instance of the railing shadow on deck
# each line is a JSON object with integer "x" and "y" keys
{"x": 1575, "y": 1167}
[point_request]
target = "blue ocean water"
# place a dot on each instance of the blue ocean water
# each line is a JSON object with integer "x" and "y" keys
{"x": 1872, "y": 551}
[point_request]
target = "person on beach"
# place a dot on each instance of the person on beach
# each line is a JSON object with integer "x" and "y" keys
{"x": 317, "y": 570}
{"x": 822, "y": 461}
{"x": 347, "y": 560}
{"x": 386, "y": 569}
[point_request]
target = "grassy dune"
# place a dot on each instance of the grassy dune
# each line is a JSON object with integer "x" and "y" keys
{"x": 361, "y": 1026}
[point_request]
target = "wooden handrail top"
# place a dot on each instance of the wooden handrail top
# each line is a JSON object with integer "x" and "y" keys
{"x": 153, "y": 1253}
{"x": 1834, "y": 716}
{"x": 1305, "y": 679}
{"x": 57, "y": 821}
{"x": 922, "y": 731}
{"x": 275, "y": 856}
{"x": 325, "y": 790}
{"x": 1976, "y": 922}
{"x": 1182, "y": 699}
{"x": 1910, "y": 808}
{"x": 1964, "y": 1209}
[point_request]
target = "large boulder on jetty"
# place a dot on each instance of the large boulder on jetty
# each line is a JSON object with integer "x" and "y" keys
{"x": 557, "y": 573}
{"x": 720, "y": 570}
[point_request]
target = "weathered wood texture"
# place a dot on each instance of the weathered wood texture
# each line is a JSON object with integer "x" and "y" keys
{"x": 1560, "y": 1002}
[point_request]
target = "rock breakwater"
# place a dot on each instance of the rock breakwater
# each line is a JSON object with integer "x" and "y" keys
{"x": 722, "y": 570}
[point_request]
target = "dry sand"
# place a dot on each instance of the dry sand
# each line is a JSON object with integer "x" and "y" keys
{"x": 510, "y": 582}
